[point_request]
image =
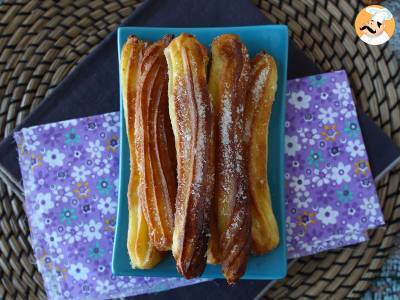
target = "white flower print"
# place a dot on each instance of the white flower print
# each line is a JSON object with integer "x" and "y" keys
{"x": 342, "y": 90}
{"x": 78, "y": 271}
{"x": 52, "y": 239}
{"x": 308, "y": 136}
{"x": 91, "y": 230}
{"x": 79, "y": 173}
{"x": 300, "y": 100}
{"x": 291, "y": 145}
{"x": 45, "y": 202}
{"x": 321, "y": 177}
{"x": 102, "y": 166}
{"x": 101, "y": 268}
{"x": 54, "y": 158}
{"x": 370, "y": 206}
{"x": 327, "y": 116}
{"x": 289, "y": 238}
{"x": 58, "y": 255}
{"x": 73, "y": 234}
{"x": 63, "y": 193}
{"x": 41, "y": 182}
{"x": 103, "y": 287}
{"x": 299, "y": 183}
{"x": 37, "y": 220}
{"x": 336, "y": 241}
{"x": 290, "y": 225}
{"x": 353, "y": 232}
{"x": 340, "y": 173}
{"x": 31, "y": 141}
{"x": 355, "y": 148}
{"x": 132, "y": 279}
{"x": 348, "y": 109}
{"x": 306, "y": 247}
{"x": 95, "y": 149}
{"x": 351, "y": 211}
{"x": 30, "y": 184}
{"x": 126, "y": 284}
{"x": 69, "y": 123}
{"x": 49, "y": 126}
{"x": 302, "y": 199}
{"x": 324, "y": 95}
{"x": 376, "y": 219}
{"x": 107, "y": 206}
{"x": 322, "y": 245}
{"x": 327, "y": 215}
{"x": 25, "y": 166}
{"x": 111, "y": 123}
{"x": 116, "y": 182}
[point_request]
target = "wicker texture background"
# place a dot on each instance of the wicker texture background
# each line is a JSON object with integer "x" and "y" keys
{"x": 42, "y": 41}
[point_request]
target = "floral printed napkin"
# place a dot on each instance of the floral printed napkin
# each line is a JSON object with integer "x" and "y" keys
{"x": 70, "y": 176}
{"x": 330, "y": 194}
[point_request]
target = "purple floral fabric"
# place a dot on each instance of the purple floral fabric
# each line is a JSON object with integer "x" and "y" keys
{"x": 70, "y": 176}
{"x": 330, "y": 194}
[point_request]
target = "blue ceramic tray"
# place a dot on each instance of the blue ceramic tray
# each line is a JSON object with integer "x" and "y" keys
{"x": 273, "y": 39}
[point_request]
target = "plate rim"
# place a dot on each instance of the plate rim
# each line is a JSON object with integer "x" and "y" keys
{"x": 281, "y": 273}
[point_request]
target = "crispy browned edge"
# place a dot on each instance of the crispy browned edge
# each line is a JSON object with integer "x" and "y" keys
{"x": 141, "y": 252}
{"x": 157, "y": 182}
{"x": 228, "y": 84}
{"x": 192, "y": 120}
{"x": 263, "y": 85}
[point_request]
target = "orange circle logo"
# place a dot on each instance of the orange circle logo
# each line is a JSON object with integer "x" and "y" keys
{"x": 375, "y": 25}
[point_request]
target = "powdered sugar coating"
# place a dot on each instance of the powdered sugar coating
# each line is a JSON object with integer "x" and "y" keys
{"x": 229, "y": 78}
{"x": 188, "y": 97}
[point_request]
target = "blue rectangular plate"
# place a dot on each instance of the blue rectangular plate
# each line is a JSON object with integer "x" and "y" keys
{"x": 274, "y": 40}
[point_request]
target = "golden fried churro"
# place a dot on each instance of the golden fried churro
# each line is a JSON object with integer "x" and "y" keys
{"x": 228, "y": 83}
{"x": 142, "y": 253}
{"x": 157, "y": 181}
{"x": 192, "y": 121}
{"x": 263, "y": 83}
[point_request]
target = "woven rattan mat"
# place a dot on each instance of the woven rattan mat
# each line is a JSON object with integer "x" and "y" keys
{"x": 42, "y": 41}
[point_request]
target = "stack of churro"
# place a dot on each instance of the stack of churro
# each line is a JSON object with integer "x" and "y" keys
{"x": 198, "y": 153}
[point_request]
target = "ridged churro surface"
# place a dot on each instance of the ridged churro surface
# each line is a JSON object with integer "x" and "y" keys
{"x": 142, "y": 253}
{"x": 155, "y": 156}
{"x": 192, "y": 121}
{"x": 263, "y": 83}
{"x": 228, "y": 85}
